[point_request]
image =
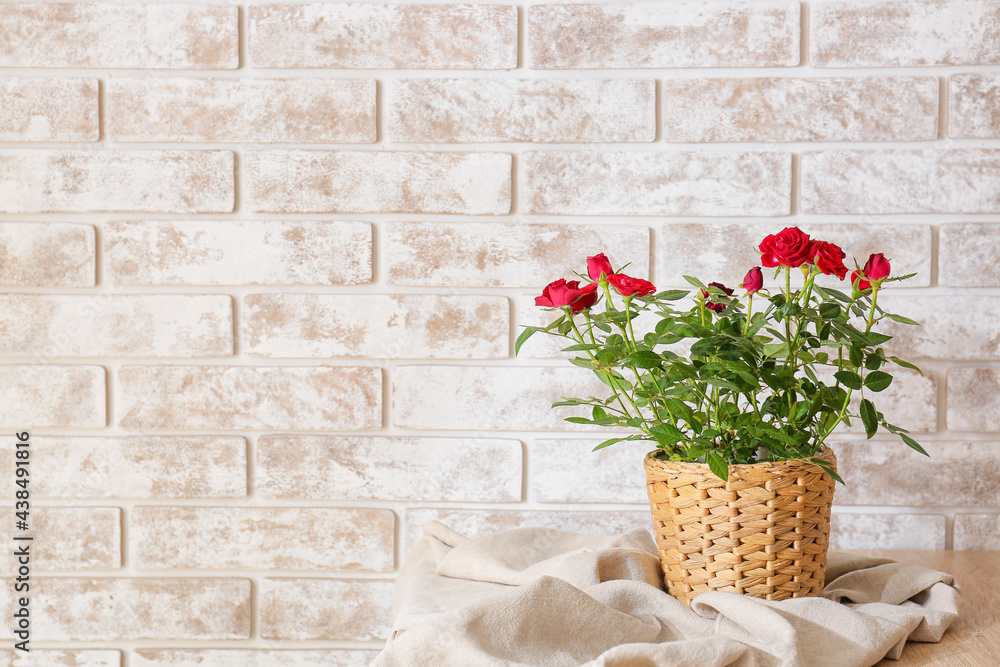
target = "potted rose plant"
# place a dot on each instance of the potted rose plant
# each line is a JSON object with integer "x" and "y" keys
{"x": 738, "y": 395}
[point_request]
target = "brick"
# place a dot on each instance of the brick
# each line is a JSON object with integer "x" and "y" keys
{"x": 952, "y": 327}
{"x": 681, "y": 34}
{"x": 891, "y": 33}
{"x": 724, "y": 252}
{"x": 890, "y": 473}
{"x": 39, "y": 396}
{"x": 966, "y": 255}
{"x": 323, "y": 467}
{"x": 974, "y": 106}
{"x": 567, "y": 471}
{"x": 504, "y": 254}
{"x": 233, "y": 397}
{"x": 48, "y": 109}
{"x": 901, "y": 181}
{"x": 378, "y": 182}
{"x": 293, "y": 538}
{"x": 47, "y": 254}
{"x": 876, "y": 108}
{"x": 78, "y": 181}
{"x": 68, "y": 538}
{"x": 238, "y": 252}
{"x": 383, "y": 36}
{"x": 473, "y": 523}
{"x": 145, "y": 657}
{"x": 887, "y": 531}
{"x": 106, "y": 609}
{"x": 536, "y": 110}
{"x": 974, "y": 399}
{"x": 328, "y": 609}
{"x": 242, "y": 110}
{"x": 126, "y": 35}
{"x": 660, "y": 183}
{"x": 979, "y": 532}
{"x": 910, "y": 402}
{"x": 162, "y": 325}
{"x": 63, "y": 658}
{"x": 511, "y": 398}
{"x": 376, "y": 325}
{"x": 134, "y": 467}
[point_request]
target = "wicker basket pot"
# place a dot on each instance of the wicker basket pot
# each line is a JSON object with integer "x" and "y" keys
{"x": 763, "y": 533}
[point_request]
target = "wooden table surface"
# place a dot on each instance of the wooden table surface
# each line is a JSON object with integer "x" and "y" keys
{"x": 974, "y": 639}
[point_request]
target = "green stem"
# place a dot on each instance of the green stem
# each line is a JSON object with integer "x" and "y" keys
{"x": 746, "y": 328}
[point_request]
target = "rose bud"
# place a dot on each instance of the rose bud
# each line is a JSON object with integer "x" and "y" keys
{"x": 829, "y": 258}
{"x": 561, "y": 293}
{"x": 876, "y": 268}
{"x": 789, "y": 247}
{"x": 753, "y": 281}
{"x": 597, "y": 265}
{"x": 717, "y": 307}
{"x": 629, "y": 286}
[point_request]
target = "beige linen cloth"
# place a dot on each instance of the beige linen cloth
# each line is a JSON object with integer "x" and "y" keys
{"x": 538, "y": 596}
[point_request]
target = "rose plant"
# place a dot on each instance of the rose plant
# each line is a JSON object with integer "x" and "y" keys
{"x": 722, "y": 382}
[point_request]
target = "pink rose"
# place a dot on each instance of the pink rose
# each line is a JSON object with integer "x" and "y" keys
{"x": 876, "y": 268}
{"x": 753, "y": 281}
{"x": 561, "y": 293}
{"x": 597, "y": 265}
{"x": 717, "y": 307}
{"x": 789, "y": 247}
{"x": 629, "y": 286}
{"x": 829, "y": 258}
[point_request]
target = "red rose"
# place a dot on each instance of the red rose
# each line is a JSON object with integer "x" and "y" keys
{"x": 829, "y": 258}
{"x": 561, "y": 293}
{"x": 753, "y": 281}
{"x": 597, "y": 265}
{"x": 876, "y": 268}
{"x": 789, "y": 247}
{"x": 717, "y": 307}
{"x": 628, "y": 286}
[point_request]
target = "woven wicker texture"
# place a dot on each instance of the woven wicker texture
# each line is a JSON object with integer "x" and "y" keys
{"x": 763, "y": 533}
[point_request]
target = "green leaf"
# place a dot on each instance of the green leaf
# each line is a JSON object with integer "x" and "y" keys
{"x": 848, "y": 379}
{"x": 869, "y": 417}
{"x": 525, "y": 335}
{"x": 856, "y": 356}
{"x": 874, "y": 361}
{"x": 695, "y": 282}
{"x": 829, "y": 310}
{"x": 718, "y": 466}
{"x": 607, "y": 443}
{"x": 580, "y": 347}
{"x": 902, "y": 320}
{"x": 599, "y": 413}
{"x": 578, "y": 420}
{"x": 913, "y": 444}
{"x": 773, "y": 349}
{"x": 666, "y": 434}
{"x": 878, "y": 380}
{"x": 877, "y": 338}
{"x": 672, "y": 294}
{"x": 719, "y": 382}
{"x": 906, "y": 364}
{"x": 643, "y": 359}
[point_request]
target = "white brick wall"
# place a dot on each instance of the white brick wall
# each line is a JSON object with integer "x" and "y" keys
{"x": 262, "y": 266}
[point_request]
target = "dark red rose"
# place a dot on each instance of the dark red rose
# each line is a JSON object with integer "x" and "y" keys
{"x": 597, "y": 265}
{"x": 753, "y": 281}
{"x": 876, "y": 268}
{"x": 629, "y": 286}
{"x": 561, "y": 293}
{"x": 789, "y": 247}
{"x": 717, "y": 307}
{"x": 829, "y": 258}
